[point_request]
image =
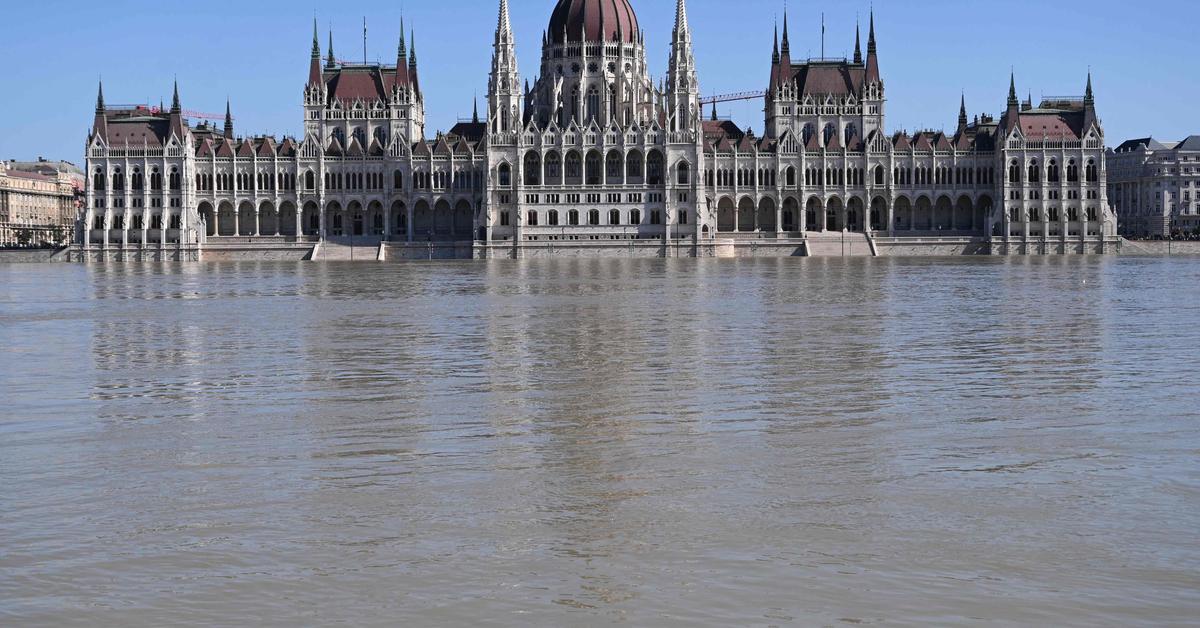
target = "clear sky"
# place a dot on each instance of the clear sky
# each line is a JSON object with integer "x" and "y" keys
{"x": 1142, "y": 55}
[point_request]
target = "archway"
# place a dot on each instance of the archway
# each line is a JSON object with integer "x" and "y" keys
{"x": 766, "y": 215}
{"x": 357, "y": 219}
{"x": 791, "y": 214}
{"x": 443, "y": 218}
{"x": 334, "y": 219}
{"x": 964, "y": 215}
{"x": 746, "y": 214}
{"x": 210, "y": 218}
{"x": 422, "y": 220}
{"x": 878, "y": 214}
{"x": 287, "y": 219}
{"x": 311, "y": 220}
{"x": 834, "y": 215}
{"x": 854, "y": 214}
{"x": 943, "y": 214}
{"x": 246, "y": 220}
{"x": 375, "y": 222}
{"x": 904, "y": 214}
{"x": 268, "y": 221}
{"x": 812, "y": 213}
{"x": 463, "y": 221}
{"x": 726, "y": 215}
{"x": 923, "y": 215}
{"x": 399, "y": 218}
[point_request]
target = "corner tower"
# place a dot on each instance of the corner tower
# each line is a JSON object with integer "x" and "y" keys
{"x": 504, "y": 83}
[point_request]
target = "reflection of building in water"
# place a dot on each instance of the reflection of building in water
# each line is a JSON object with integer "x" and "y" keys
{"x": 593, "y": 155}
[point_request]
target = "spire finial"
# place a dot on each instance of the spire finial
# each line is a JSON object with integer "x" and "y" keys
{"x": 1012, "y": 89}
{"x": 1088, "y": 97}
{"x": 175, "y": 107}
{"x": 100, "y": 98}
{"x": 871, "y": 34}
{"x": 475, "y": 114}
{"x": 775, "y": 52}
{"x": 228, "y": 120}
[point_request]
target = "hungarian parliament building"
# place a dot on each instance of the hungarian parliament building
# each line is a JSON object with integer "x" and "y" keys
{"x": 593, "y": 155}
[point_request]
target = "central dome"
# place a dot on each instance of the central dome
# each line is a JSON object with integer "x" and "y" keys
{"x": 595, "y": 20}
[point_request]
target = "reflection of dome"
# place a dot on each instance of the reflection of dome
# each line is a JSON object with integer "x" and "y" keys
{"x": 602, "y": 19}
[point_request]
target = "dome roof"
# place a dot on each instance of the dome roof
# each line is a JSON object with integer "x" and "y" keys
{"x": 601, "y": 20}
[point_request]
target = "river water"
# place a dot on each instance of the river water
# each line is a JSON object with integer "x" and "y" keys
{"x": 576, "y": 443}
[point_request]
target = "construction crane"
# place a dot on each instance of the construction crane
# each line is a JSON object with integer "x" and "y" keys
{"x": 735, "y": 96}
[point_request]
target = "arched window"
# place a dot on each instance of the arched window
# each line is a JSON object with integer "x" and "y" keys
{"x": 790, "y": 176}
{"x": 592, "y": 168}
{"x": 614, "y": 217}
{"x": 635, "y": 216}
{"x": 552, "y": 219}
{"x": 1052, "y": 172}
{"x": 504, "y": 172}
{"x": 533, "y": 168}
{"x": 1014, "y": 172}
{"x": 879, "y": 175}
{"x": 594, "y": 217}
{"x": 685, "y": 173}
{"x": 593, "y": 104}
{"x": 573, "y": 217}
{"x": 830, "y": 132}
{"x": 340, "y": 136}
{"x": 1072, "y": 172}
{"x": 98, "y": 180}
{"x": 808, "y": 132}
{"x": 155, "y": 180}
{"x": 612, "y": 166}
{"x": 574, "y": 167}
{"x": 633, "y": 165}
{"x": 118, "y": 180}
{"x": 310, "y": 180}
{"x": 136, "y": 181}
{"x": 531, "y": 219}
{"x": 360, "y": 134}
{"x": 654, "y": 168}
{"x": 553, "y": 169}
{"x": 381, "y": 136}
{"x": 1035, "y": 173}
{"x": 1093, "y": 174}
{"x": 398, "y": 180}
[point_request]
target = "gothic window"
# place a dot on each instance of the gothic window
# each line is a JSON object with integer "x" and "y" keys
{"x": 808, "y": 132}
{"x": 118, "y": 180}
{"x": 574, "y": 169}
{"x": 851, "y": 132}
{"x": 654, "y": 168}
{"x": 633, "y": 165}
{"x": 1035, "y": 174}
{"x": 684, "y": 173}
{"x": 310, "y": 180}
{"x": 830, "y": 132}
{"x": 613, "y": 166}
{"x": 505, "y": 175}
{"x": 381, "y": 135}
{"x": 790, "y": 176}
{"x": 593, "y": 168}
{"x": 533, "y": 168}
{"x": 1052, "y": 172}
{"x": 340, "y": 136}
{"x": 879, "y": 175}
{"x": 1092, "y": 172}
{"x": 136, "y": 180}
{"x": 593, "y": 104}
{"x": 553, "y": 169}
{"x": 1014, "y": 172}
{"x": 360, "y": 134}
{"x": 155, "y": 180}
{"x": 1072, "y": 172}
{"x": 98, "y": 180}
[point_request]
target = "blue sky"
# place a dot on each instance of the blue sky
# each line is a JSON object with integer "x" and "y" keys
{"x": 256, "y": 53}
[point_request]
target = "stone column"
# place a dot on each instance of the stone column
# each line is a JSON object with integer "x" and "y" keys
{"x": 408, "y": 207}
{"x": 823, "y": 216}
{"x": 257, "y": 223}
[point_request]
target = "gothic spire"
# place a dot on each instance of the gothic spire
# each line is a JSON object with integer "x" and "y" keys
{"x": 175, "y": 107}
{"x": 857, "y": 44}
{"x": 412, "y": 48}
{"x": 100, "y": 98}
{"x": 681, "y": 21}
{"x": 786, "y": 48}
{"x": 402, "y": 52}
{"x": 228, "y": 120}
{"x": 871, "y": 35}
{"x": 316, "y": 49}
{"x": 504, "y": 23}
{"x": 1012, "y": 91}
{"x": 775, "y": 52}
{"x": 475, "y": 113}
{"x": 962, "y": 115}
{"x": 872, "y": 53}
{"x": 1088, "y": 97}
{"x": 331, "y": 62}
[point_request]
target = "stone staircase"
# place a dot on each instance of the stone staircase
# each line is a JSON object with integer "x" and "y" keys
{"x": 839, "y": 244}
{"x": 347, "y": 250}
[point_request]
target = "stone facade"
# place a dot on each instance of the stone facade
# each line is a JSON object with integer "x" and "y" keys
{"x": 592, "y": 151}
{"x": 1155, "y": 187}
{"x": 39, "y": 203}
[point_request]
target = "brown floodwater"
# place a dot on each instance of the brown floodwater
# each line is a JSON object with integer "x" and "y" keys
{"x": 561, "y": 443}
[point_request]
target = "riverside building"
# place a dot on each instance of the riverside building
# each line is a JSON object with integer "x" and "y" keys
{"x": 593, "y": 156}
{"x": 1155, "y": 187}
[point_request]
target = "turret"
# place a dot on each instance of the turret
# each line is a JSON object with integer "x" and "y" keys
{"x": 1090, "y": 118}
{"x": 1013, "y": 112}
{"x": 402, "y": 77}
{"x": 858, "y": 58}
{"x": 682, "y": 86}
{"x": 504, "y": 83}
{"x": 331, "y": 63}
{"x": 962, "y": 116}
{"x": 176, "y": 114}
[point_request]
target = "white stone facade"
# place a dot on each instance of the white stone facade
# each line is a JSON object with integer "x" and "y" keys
{"x": 592, "y": 151}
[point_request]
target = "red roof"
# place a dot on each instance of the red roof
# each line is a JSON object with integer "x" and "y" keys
{"x": 596, "y": 20}
{"x": 1053, "y": 125}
